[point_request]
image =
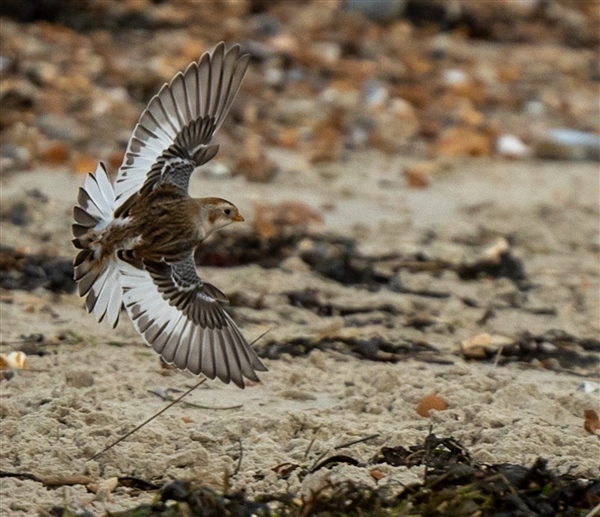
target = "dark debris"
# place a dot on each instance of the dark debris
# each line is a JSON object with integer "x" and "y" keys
{"x": 333, "y": 257}
{"x": 28, "y": 272}
{"x": 454, "y": 485}
{"x": 338, "y": 259}
{"x": 570, "y": 351}
{"x": 374, "y": 348}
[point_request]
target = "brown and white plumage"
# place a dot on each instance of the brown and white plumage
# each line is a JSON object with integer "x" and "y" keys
{"x": 137, "y": 239}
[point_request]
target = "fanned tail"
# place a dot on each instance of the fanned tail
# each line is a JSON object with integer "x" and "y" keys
{"x": 97, "y": 280}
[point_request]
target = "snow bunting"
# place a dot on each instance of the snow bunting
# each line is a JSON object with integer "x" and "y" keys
{"x": 137, "y": 238}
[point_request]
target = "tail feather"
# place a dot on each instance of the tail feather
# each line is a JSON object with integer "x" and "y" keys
{"x": 83, "y": 218}
{"x": 105, "y": 298}
{"x": 97, "y": 279}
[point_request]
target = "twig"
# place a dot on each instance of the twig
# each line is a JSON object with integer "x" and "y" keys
{"x": 49, "y": 481}
{"x": 175, "y": 401}
{"x": 169, "y": 398}
{"x": 312, "y": 442}
{"x": 360, "y": 440}
{"x": 498, "y": 356}
{"x": 202, "y": 381}
{"x": 337, "y": 447}
{"x": 595, "y": 511}
{"x": 237, "y": 469}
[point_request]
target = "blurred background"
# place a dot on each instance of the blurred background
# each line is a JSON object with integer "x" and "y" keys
{"x": 420, "y": 185}
{"x": 432, "y": 79}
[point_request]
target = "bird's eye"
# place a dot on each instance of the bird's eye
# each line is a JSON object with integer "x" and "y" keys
{"x": 227, "y": 211}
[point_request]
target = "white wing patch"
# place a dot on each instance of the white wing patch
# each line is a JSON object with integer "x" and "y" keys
{"x": 218, "y": 351}
{"x": 205, "y": 89}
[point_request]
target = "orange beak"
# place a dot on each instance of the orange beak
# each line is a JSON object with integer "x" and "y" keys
{"x": 239, "y": 217}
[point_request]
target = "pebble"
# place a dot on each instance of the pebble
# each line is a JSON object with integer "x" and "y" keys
{"x": 63, "y": 127}
{"x": 419, "y": 174}
{"x": 511, "y": 146}
{"x": 56, "y": 154}
{"x": 588, "y": 387}
{"x": 294, "y": 264}
{"x": 463, "y": 141}
{"x": 254, "y": 164}
{"x": 400, "y": 88}
{"x": 455, "y": 76}
{"x": 568, "y": 144}
{"x": 14, "y": 157}
{"x": 483, "y": 345}
{"x": 429, "y": 403}
{"x": 272, "y": 220}
{"x": 380, "y": 11}
{"x": 216, "y": 170}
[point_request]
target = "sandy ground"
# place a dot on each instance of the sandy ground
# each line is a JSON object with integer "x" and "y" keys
{"x": 94, "y": 384}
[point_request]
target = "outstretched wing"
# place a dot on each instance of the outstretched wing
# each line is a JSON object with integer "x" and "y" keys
{"x": 181, "y": 317}
{"x": 174, "y": 132}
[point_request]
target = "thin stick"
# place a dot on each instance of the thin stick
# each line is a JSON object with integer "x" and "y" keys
{"x": 312, "y": 442}
{"x": 170, "y": 405}
{"x": 239, "y": 465}
{"x": 360, "y": 440}
{"x": 202, "y": 381}
{"x": 168, "y": 398}
{"x": 595, "y": 511}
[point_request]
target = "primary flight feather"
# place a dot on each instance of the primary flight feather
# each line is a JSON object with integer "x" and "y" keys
{"x": 137, "y": 238}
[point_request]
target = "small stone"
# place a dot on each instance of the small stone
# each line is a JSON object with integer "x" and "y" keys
{"x": 56, "y": 154}
{"x": 376, "y": 474}
{"x": 592, "y": 422}
{"x": 477, "y": 346}
{"x": 454, "y": 76}
{"x": 288, "y": 137}
{"x": 511, "y": 146}
{"x": 494, "y": 252}
{"x": 328, "y": 138}
{"x": 380, "y": 11}
{"x": 115, "y": 159}
{"x": 215, "y": 169}
{"x": 294, "y": 263}
{"x": 83, "y": 164}
{"x": 63, "y": 127}
{"x": 254, "y": 164}
{"x": 463, "y": 141}
{"x": 419, "y": 175}
{"x": 104, "y": 486}
{"x": 283, "y": 218}
{"x": 14, "y": 157}
{"x": 431, "y": 402}
{"x": 568, "y": 144}
{"x": 484, "y": 345}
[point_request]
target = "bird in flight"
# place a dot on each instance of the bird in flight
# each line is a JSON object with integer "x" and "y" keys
{"x": 137, "y": 237}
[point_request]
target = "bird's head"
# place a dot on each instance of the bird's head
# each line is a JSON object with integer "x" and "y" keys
{"x": 217, "y": 213}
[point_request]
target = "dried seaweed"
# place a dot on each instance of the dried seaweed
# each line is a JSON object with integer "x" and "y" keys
{"x": 21, "y": 271}
{"x": 569, "y": 351}
{"x": 454, "y": 484}
{"x": 333, "y": 257}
